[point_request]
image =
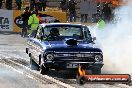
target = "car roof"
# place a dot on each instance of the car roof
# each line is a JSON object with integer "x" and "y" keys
{"x": 50, "y": 24}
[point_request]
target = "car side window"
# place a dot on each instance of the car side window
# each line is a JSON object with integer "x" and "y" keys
{"x": 87, "y": 33}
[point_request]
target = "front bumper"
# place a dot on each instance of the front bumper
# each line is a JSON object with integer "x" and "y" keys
{"x": 72, "y": 65}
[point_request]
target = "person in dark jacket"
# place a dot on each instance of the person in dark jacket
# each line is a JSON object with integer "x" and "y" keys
{"x": 19, "y": 4}
{"x": 72, "y": 10}
{"x": 106, "y": 12}
{"x": 9, "y": 4}
{"x": 32, "y": 5}
{"x": 42, "y": 5}
{"x": 1, "y": 3}
{"x": 63, "y": 5}
{"x": 25, "y": 16}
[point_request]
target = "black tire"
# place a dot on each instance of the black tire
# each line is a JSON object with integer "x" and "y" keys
{"x": 81, "y": 80}
{"x": 33, "y": 64}
{"x": 44, "y": 70}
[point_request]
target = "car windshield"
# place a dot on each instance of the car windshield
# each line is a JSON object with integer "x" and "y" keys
{"x": 64, "y": 31}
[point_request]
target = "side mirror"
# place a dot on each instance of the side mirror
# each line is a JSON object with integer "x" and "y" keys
{"x": 94, "y": 38}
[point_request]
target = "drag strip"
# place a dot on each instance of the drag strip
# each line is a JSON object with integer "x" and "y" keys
{"x": 13, "y": 56}
{"x": 59, "y": 78}
{"x": 33, "y": 74}
{"x": 12, "y": 79}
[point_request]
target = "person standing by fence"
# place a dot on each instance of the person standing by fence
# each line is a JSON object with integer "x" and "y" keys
{"x": 9, "y": 4}
{"x": 42, "y": 5}
{"x": 106, "y": 12}
{"x": 63, "y": 5}
{"x": 84, "y": 10}
{"x": 32, "y": 5}
{"x": 1, "y": 4}
{"x": 72, "y": 10}
{"x": 25, "y": 16}
{"x": 19, "y": 4}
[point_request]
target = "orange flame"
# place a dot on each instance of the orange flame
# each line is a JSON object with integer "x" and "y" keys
{"x": 81, "y": 71}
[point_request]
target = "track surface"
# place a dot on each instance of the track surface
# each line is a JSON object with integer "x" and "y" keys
{"x": 12, "y": 79}
{"x": 14, "y": 60}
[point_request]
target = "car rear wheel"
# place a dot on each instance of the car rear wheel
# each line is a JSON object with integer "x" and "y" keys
{"x": 33, "y": 64}
{"x": 43, "y": 70}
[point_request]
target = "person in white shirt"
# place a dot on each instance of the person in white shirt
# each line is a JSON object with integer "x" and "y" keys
{"x": 84, "y": 10}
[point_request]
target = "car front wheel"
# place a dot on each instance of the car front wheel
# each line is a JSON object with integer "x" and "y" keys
{"x": 33, "y": 64}
{"x": 43, "y": 70}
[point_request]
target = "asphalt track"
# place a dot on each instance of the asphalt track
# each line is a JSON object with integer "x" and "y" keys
{"x": 15, "y": 71}
{"x": 12, "y": 79}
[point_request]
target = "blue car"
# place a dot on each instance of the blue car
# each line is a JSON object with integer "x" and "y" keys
{"x": 64, "y": 46}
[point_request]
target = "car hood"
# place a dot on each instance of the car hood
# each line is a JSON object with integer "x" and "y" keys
{"x": 62, "y": 46}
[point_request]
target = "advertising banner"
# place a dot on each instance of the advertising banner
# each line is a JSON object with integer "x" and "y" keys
{"x": 17, "y": 20}
{"x": 6, "y": 20}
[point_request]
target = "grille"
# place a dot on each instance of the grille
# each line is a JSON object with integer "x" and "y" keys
{"x": 74, "y": 57}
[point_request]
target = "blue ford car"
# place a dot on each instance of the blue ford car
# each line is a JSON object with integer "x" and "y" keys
{"x": 64, "y": 46}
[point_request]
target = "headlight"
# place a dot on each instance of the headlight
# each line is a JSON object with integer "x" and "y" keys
{"x": 49, "y": 57}
{"x": 98, "y": 58}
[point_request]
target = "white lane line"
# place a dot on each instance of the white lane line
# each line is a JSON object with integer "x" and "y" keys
{"x": 4, "y": 56}
{"x": 12, "y": 50}
{"x": 12, "y": 55}
{"x": 20, "y": 72}
{"x": 8, "y": 66}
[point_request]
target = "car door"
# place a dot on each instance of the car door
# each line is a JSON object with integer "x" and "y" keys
{"x": 37, "y": 46}
{"x": 32, "y": 47}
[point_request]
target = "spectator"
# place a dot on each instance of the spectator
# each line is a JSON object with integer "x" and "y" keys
{"x": 101, "y": 24}
{"x": 37, "y": 4}
{"x": 9, "y": 4}
{"x": 93, "y": 11}
{"x": 32, "y": 5}
{"x": 106, "y": 12}
{"x": 1, "y": 4}
{"x": 19, "y": 4}
{"x": 42, "y": 5}
{"x": 84, "y": 10}
{"x": 25, "y": 16}
{"x": 72, "y": 10}
{"x": 34, "y": 22}
{"x": 63, "y": 5}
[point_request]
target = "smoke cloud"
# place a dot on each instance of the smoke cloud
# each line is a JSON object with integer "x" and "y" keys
{"x": 116, "y": 41}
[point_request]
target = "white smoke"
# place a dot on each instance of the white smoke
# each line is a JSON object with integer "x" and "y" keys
{"x": 116, "y": 40}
